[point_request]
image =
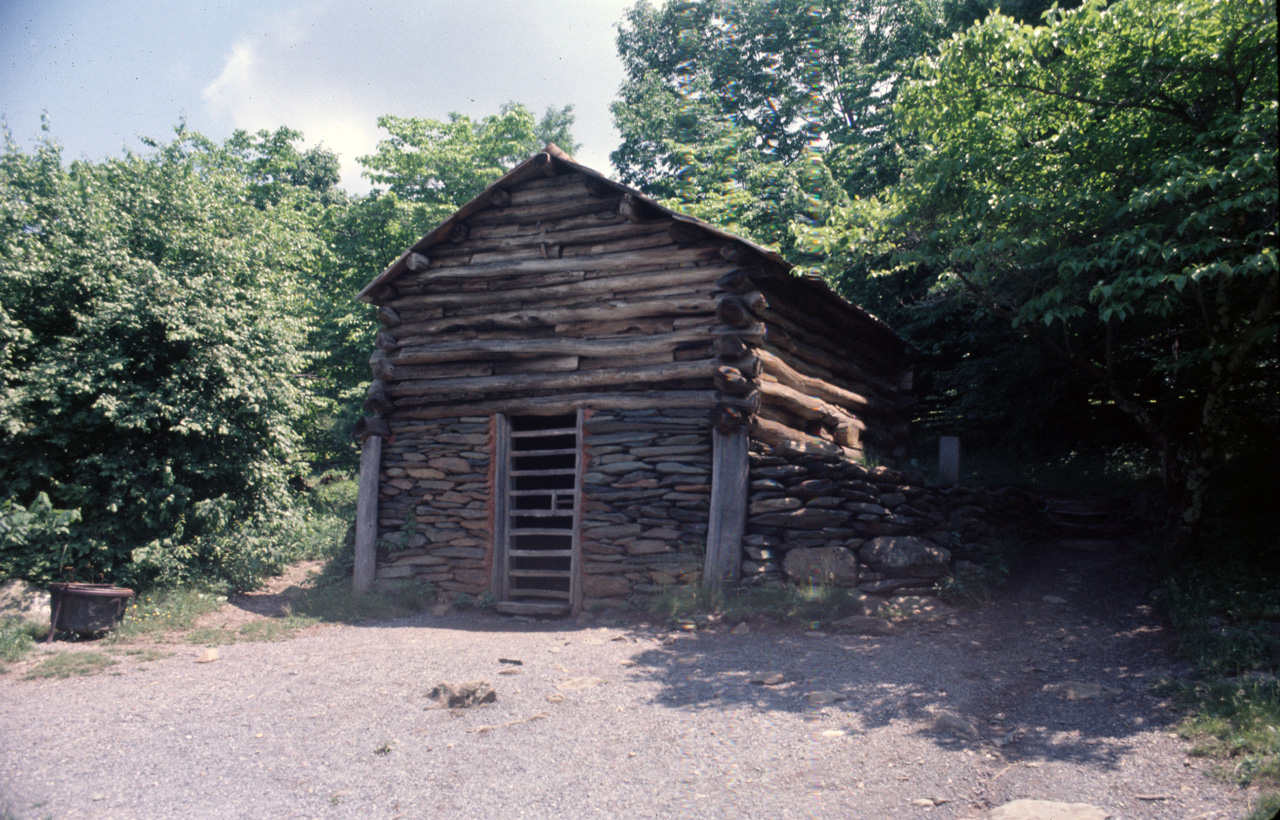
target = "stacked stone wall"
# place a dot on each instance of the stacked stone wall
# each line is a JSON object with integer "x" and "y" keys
{"x": 820, "y": 517}
{"x": 435, "y": 510}
{"x": 645, "y": 502}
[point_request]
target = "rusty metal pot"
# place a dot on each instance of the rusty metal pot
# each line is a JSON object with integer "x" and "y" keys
{"x": 86, "y": 608}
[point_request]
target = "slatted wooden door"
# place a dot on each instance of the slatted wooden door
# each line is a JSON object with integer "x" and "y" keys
{"x": 539, "y": 495}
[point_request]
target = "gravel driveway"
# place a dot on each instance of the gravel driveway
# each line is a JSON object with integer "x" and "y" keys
{"x": 623, "y": 719}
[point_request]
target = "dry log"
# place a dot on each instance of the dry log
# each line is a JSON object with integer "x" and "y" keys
{"x": 434, "y": 391}
{"x": 535, "y": 317}
{"x": 730, "y": 347}
{"x": 749, "y": 366}
{"x": 731, "y": 381}
{"x": 598, "y": 187}
{"x": 625, "y": 261}
{"x": 654, "y": 281}
{"x": 382, "y": 294}
{"x": 735, "y": 252}
{"x": 378, "y": 400}
{"x": 725, "y": 417}
{"x": 576, "y": 231}
{"x": 533, "y": 214}
{"x": 382, "y": 367}
{"x": 458, "y": 232}
{"x": 737, "y": 280}
{"x": 388, "y": 316}
{"x": 807, "y": 407}
{"x": 775, "y": 433}
{"x": 839, "y": 365}
{"x": 635, "y": 210}
{"x": 748, "y": 403}
{"x": 499, "y": 198}
{"x": 754, "y": 333}
{"x": 733, "y": 312}
{"x": 566, "y": 402}
{"x": 385, "y": 340}
{"x": 825, "y": 390}
{"x": 366, "y": 426}
{"x": 417, "y": 262}
{"x": 727, "y": 519}
{"x": 533, "y": 348}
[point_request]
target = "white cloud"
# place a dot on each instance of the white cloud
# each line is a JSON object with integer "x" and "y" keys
{"x": 330, "y": 68}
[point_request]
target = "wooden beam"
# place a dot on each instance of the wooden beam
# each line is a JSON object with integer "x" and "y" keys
{"x": 611, "y": 310}
{"x": 728, "y": 514}
{"x": 567, "y": 402}
{"x": 785, "y": 374}
{"x": 623, "y": 261}
{"x": 533, "y": 348}
{"x": 366, "y": 558}
{"x": 580, "y": 291}
{"x": 435, "y": 391}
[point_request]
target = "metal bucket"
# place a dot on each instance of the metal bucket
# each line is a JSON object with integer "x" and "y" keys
{"x": 86, "y": 608}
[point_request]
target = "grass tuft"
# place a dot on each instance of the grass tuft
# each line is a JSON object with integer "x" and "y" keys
{"x": 69, "y": 664}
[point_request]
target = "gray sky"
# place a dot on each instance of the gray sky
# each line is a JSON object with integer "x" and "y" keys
{"x": 108, "y": 73}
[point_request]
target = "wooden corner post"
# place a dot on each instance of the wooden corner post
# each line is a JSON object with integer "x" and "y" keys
{"x": 728, "y": 515}
{"x": 366, "y": 563}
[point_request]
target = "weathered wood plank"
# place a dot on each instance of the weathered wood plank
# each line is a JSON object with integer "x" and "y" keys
{"x": 728, "y": 514}
{"x": 432, "y": 391}
{"x": 621, "y": 261}
{"x": 533, "y": 348}
{"x": 576, "y": 292}
{"x": 609, "y": 311}
{"x": 366, "y": 559}
{"x": 567, "y": 402}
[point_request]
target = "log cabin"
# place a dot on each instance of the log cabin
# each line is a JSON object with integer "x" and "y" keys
{"x": 568, "y": 380}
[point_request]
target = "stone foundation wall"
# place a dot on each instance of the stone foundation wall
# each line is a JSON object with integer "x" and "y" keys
{"x": 435, "y": 510}
{"x": 645, "y": 502}
{"x": 818, "y": 517}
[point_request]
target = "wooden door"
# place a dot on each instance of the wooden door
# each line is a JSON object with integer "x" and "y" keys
{"x": 538, "y": 479}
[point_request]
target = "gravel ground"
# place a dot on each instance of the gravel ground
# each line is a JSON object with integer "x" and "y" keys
{"x": 623, "y": 719}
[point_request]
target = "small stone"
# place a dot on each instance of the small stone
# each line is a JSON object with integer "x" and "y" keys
{"x": 949, "y": 723}
{"x": 742, "y": 629}
{"x": 768, "y": 679}
{"x": 441, "y": 610}
{"x": 864, "y": 625}
{"x": 824, "y": 697}
{"x": 1077, "y": 690}
{"x": 463, "y": 695}
{"x": 208, "y": 656}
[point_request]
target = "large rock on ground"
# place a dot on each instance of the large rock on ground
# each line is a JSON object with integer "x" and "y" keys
{"x": 822, "y": 565}
{"x": 899, "y": 556}
{"x": 22, "y": 600}
{"x": 1046, "y": 810}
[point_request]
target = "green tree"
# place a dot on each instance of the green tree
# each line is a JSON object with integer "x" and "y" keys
{"x": 1107, "y": 184}
{"x": 152, "y": 343}
{"x": 443, "y": 165}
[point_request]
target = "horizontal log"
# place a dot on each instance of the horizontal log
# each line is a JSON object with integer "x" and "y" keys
{"x": 499, "y": 198}
{"x": 432, "y": 391}
{"x": 459, "y": 232}
{"x": 530, "y": 214}
{"x": 533, "y": 348}
{"x": 730, "y": 347}
{"x": 731, "y": 381}
{"x": 378, "y": 400}
{"x": 836, "y": 364}
{"x": 753, "y": 334}
{"x": 417, "y": 262}
{"x": 613, "y": 310}
{"x": 385, "y": 340}
{"x": 775, "y": 433}
{"x": 367, "y": 426}
{"x": 414, "y": 372}
{"x": 623, "y": 261}
{"x": 749, "y": 403}
{"x": 785, "y": 374}
{"x": 383, "y": 294}
{"x": 381, "y": 365}
{"x": 733, "y": 312}
{"x": 807, "y": 407}
{"x": 582, "y": 291}
{"x": 737, "y": 280}
{"x": 638, "y": 400}
{"x": 572, "y": 231}
{"x": 388, "y": 316}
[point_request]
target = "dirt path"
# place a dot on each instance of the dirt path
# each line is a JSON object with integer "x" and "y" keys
{"x": 624, "y": 719}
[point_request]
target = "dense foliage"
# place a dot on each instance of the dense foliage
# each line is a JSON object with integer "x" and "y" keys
{"x": 1071, "y": 215}
{"x": 179, "y": 342}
